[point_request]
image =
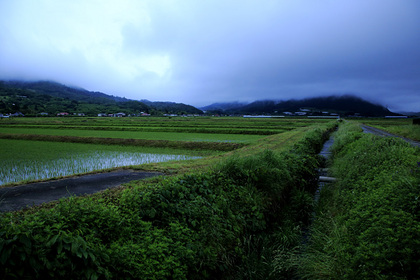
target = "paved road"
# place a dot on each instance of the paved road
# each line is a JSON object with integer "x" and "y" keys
{"x": 380, "y": 132}
{"x": 19, "y": 197}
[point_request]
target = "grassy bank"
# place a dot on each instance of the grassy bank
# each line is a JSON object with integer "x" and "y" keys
{"x": 367, "y": 224}
{"x": 187, "y": 145}
{"x": 401, "y": 127}
{"x": 213, "y": 223}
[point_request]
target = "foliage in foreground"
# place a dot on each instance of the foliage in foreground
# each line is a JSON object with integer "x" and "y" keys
{"x": 368, "y": 224}
{"x": 201, "y": 225}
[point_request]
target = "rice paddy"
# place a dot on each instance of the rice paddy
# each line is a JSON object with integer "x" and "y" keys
{"x": 22, "y": 161}
{"x": 43, "y": 148}
{"x": 170, "y": 136}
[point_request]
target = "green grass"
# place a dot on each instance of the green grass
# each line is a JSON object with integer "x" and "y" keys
{"x": 225, "y": 220}
{"x": 367, "y": 224}
{"x": 22, "y": 160}
{"x": 169, "y": 136}
{"x": 202, "y": 122}
{"x": 401, "y": 127}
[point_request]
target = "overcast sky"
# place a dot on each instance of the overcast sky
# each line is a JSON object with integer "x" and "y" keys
{"x": 201, "y": 52}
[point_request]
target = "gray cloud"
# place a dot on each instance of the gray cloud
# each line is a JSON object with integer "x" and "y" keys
{"x": 199, "y": 52}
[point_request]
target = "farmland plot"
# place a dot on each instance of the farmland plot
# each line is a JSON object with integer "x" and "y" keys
{"x": 170, "y": 136}
{"x": 34, "y": 160}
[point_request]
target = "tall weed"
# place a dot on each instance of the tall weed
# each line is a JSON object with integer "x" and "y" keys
{"x": 367, "y": 226}
{"x": 235, "y": 221}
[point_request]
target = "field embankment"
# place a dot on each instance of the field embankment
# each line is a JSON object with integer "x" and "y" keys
{"x": 401, "y": 127}
{"x": 225, "y": 220}
{"x": 367, "y": 223}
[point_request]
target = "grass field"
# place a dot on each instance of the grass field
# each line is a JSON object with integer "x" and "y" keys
{"x": 402, "y": 127}
{"x": 22, "y": 160}
{"x": 226, "y": 215}
{"x": 240, "y": 214}
{"x": 170, "y": 136}
{"x": 32, "y": 159}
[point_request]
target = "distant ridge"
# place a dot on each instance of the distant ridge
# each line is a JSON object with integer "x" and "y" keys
{"x": 346, "y": 105}
{"x": 31, "y": 98}
{"x": 62, "y": 91}
{"x": 224, "y": 106}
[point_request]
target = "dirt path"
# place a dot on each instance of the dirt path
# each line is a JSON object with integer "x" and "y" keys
{"x": 19, "y": 197}
{"x": 380, "y": 132}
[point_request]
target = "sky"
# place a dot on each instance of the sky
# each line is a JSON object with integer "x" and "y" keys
{"x": 207, "y": 51}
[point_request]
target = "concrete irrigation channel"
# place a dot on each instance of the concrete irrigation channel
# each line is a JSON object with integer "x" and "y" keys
{"x": 20, "y": 197}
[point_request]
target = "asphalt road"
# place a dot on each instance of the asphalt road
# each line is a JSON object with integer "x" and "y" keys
{"x": 19, "y": 197}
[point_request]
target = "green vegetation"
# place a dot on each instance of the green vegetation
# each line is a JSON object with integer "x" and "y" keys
{"x": 234, "y": 215}
{"x": 223, "y": 220}
{"x": 402, "y": 127}
{"x": 367, "y": 224}
{"x": 169, "y": 136}
{"x": 33, "y": 98}
{"x": 34, "y": 160}
{"x": 220, "y": 134}
{"x": 170, "y": 123}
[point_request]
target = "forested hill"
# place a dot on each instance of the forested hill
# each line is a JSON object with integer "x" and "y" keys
{"x": 171, "y": 107}
{"x": 32, "y": 98}
{"x": 343, "y": 105}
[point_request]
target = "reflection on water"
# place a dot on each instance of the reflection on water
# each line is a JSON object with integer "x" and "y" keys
{"x": 35, "y": 170}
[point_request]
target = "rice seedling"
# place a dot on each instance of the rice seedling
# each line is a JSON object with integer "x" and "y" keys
{"x": 34, "y": 160}
{"x": 155, "y": 135}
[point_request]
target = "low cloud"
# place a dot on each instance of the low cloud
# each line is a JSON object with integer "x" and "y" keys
{"x": 203, "y": 52}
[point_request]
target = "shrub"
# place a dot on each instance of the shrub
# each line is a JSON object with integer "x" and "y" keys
{"x": 368, "y": 225}
{"x": 199, "y": 225}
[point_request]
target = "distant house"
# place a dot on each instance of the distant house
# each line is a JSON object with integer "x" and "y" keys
{"x": 145, "y": 114}
{"x": 63, "y": 114}
{"x": 120, "y": 115}
{"x": 102, "y": 115}
{"x": 44, "y": 114}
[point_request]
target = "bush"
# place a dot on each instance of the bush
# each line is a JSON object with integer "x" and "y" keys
{"x": 199, "y": 225}
{"x": 368, "y": 226}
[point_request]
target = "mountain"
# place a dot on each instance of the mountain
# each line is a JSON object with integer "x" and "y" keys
{"x": 62, "y": 91}
{"x": 346, "y": 105}
{"x": 172, "y": 107}
{"x": 411, "y": 114}
{"x": 223, "y": 106}
{"x": 31, "y": 98}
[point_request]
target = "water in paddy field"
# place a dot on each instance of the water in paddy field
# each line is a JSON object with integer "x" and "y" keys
{"x": 37, "y": 170}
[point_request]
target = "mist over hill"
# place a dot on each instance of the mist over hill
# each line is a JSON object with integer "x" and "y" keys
{"x": 347, "y": 105}
{"x": 224, "y": 106}
{"x": 31, "y": 98}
